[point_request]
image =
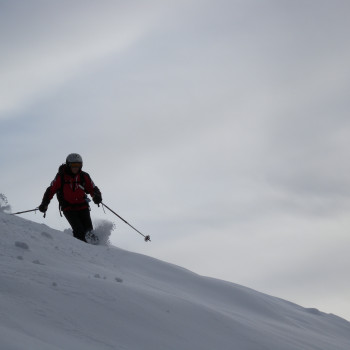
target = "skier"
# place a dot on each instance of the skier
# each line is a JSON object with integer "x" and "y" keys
{"x": 71, "y": 185}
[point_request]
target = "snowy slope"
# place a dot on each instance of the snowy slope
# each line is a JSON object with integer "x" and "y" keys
{"x": 57, "y": 293}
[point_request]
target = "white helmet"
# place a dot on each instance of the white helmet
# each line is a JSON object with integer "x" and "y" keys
{"x": 74, "y": 158}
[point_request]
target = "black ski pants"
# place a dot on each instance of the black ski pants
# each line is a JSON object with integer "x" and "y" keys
{"x": 80, "y": 222}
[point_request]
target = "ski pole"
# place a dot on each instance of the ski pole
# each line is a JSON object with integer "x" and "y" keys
{"x": 26, "y": 211}
{"x": 147, "y": 238}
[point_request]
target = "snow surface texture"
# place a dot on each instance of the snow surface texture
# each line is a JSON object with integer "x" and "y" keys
{"x": 59, "y": 293}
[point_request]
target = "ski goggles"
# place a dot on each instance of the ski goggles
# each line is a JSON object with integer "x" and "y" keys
{"x": 75, "y": 165}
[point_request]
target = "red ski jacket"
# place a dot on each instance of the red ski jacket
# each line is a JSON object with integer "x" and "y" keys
{"x": 71, "y": 189}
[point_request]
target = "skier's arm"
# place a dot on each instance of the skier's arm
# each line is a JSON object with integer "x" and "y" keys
{"x": 97, "y": 197}
{"x": 93, "y": 190}
{"x": 50, "y": 192}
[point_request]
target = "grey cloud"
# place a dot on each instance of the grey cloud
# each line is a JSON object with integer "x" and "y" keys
{"x": 49, "y": 44}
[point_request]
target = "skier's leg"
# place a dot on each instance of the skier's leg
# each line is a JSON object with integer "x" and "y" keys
{"x": 90, "y": 236}
{"x": 86, "y": 219}
{"x": 76, "y": 223}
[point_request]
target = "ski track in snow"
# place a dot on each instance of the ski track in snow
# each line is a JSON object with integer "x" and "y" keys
{"x": 57, "y": 293}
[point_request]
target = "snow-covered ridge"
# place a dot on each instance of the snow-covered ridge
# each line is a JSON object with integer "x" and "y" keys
{"x": 57, "y": 293}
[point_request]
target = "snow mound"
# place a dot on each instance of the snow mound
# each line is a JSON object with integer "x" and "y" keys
{"x": 59, "y": 293}
{"x": 4, "y": 205}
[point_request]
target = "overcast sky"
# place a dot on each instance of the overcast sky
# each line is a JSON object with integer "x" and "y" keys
{"x": 220, "y": 128}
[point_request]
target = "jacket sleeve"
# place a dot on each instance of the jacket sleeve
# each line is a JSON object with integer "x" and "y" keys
{"x": 51, "y": 190}
{"x": 91, "y": 188}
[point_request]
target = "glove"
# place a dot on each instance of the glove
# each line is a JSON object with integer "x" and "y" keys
{"x": 97, "y": 198}
{"x": 42, "y": 208}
